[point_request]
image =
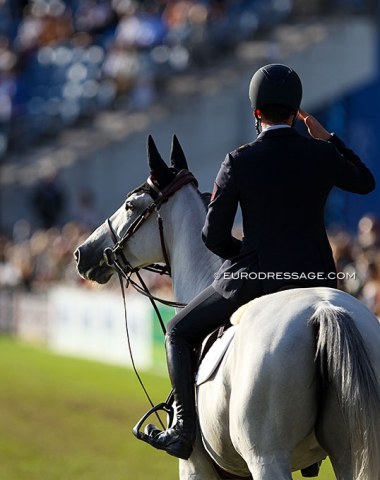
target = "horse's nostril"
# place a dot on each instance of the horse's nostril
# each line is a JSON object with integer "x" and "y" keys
{"x": 77, "y": 255}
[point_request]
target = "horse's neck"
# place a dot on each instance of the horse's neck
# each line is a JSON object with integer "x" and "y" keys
{"x": 193, "y": 265}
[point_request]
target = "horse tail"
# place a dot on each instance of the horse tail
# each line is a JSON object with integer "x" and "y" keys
{"x": 346, "y": 365}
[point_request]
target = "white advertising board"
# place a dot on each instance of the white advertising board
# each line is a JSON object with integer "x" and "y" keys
{"x": 90, "y": 323}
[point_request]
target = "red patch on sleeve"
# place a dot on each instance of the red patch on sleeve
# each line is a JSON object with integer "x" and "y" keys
{"x": 214, "y": 191}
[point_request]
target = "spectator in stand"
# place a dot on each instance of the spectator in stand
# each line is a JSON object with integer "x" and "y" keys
{"x": 8, "y": 62}
{"x": 369, "y": 232}
{"x": 6, "y": 21}
{"x": 48, "y": 198}
{"x": 17, "y": 8}
{"x": 371, "y": 290}
{"x": 85, "y": 212}
{"x": 9, "y": 273}
{"x": 122, "y": 66}
{"x": 349, "y": 260}
{"x": 42, "y": 24}
{"x": 94, "y": 16}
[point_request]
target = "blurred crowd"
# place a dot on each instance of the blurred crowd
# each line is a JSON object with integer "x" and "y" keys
{"x": 35, "y": 260}
{"x": 358, "y": 257}
{"x": 61, "y": 60}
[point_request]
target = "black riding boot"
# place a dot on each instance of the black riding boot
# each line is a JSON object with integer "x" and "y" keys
{"x": 178, "y": 440}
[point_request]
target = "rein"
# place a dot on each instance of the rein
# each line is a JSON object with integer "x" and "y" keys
{"x": 115, "y": 258}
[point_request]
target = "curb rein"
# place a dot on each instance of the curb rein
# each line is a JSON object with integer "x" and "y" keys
{"x": 115, "y": 258}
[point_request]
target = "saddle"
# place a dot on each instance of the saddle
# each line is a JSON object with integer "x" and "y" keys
{"x": 213, "y": 351}
{"x": 219, "y": 344}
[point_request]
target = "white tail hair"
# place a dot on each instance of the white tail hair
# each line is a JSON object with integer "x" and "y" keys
{"x": 346, "y": 365}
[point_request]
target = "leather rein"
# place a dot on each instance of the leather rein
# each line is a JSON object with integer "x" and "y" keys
{"x": 115, "y": 258}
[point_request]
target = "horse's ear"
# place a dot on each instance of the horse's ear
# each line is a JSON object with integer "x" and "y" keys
{"x": 177, "y": 156}
{"x": 155, "y": 161}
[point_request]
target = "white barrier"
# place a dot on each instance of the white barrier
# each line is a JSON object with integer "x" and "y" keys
{"x": 90, "y": 324}
{"x": 32, "y": 317}
{"x": 85, "y": 323}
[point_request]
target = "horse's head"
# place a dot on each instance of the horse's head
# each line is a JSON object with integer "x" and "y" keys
{"x": 133, "y": 227}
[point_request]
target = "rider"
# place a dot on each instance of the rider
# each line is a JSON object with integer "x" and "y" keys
{"x": 281, "y": 181}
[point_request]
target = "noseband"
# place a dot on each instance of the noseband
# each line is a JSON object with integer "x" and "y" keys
{"x": 115, "y": 256}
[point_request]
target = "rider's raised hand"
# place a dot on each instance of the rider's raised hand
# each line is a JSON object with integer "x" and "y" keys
{"x": 315, "y": 129}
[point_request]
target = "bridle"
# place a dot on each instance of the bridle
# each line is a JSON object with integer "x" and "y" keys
{"x": 115, "y": 256}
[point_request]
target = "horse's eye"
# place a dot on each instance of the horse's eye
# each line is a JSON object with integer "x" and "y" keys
{"x": 129, "y": 206}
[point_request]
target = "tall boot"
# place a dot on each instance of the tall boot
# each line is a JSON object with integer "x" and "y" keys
{"x": 178, "y": 440}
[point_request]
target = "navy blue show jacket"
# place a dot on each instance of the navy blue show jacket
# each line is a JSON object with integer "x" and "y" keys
{"x": 281, "y": 181}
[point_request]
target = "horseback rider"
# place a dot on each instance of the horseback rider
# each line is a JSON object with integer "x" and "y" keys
{"x": 281, "y": 181}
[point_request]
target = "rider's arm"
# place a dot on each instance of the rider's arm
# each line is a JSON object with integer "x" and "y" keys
{"x": 350, "y": 173}
{"x": 216, "y": 232}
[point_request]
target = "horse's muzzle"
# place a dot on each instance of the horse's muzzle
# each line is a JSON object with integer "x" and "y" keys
{"x": 89, "y": 269}
{"x": 81, "y": 266}
{"x": 77, "y": 255}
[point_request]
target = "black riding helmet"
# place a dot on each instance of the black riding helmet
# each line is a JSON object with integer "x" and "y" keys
{"x": 275, "y": 84}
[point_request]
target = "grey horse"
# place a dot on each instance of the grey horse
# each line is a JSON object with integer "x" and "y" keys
{"x": 301, "y": 379}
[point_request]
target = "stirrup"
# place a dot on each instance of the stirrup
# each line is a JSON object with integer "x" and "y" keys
{"x": 165, "y": 407}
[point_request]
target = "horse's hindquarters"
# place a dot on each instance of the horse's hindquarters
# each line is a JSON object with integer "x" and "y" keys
{"x": 263, "y": 394}
{"x": 262, "y": 402}
{"x": 259, "y": 411}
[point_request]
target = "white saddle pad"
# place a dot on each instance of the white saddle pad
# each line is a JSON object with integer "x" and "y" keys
{"x": 214, "y": 356}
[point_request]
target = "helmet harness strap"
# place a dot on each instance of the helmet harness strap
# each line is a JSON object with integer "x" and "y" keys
{"x": 258, "y": 122}
{"x": 257, "y": 125}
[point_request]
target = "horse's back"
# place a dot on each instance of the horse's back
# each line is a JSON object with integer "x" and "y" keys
{"x": 277, "y": 339}
{"x": 287, "y": 311}
{"x": 273, "y": 352}
{"x": 274, "y": 330}
{"x": 269, "y": 382}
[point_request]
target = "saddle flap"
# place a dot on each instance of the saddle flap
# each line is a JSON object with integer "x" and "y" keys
{"x": 214, "y": 356}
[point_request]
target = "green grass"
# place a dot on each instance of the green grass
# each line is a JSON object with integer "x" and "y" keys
{"x": 64, "y": 418}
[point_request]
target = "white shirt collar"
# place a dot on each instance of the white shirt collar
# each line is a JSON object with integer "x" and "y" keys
{"x": 275, "y": 127}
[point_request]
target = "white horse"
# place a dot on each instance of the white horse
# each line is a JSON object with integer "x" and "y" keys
{"x": 301, "y": 380}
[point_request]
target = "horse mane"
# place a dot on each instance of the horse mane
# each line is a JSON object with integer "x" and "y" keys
{"x": 206, "y": 198}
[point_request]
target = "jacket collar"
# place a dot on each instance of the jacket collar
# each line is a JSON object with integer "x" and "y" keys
{"x": 278, "y": 132}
